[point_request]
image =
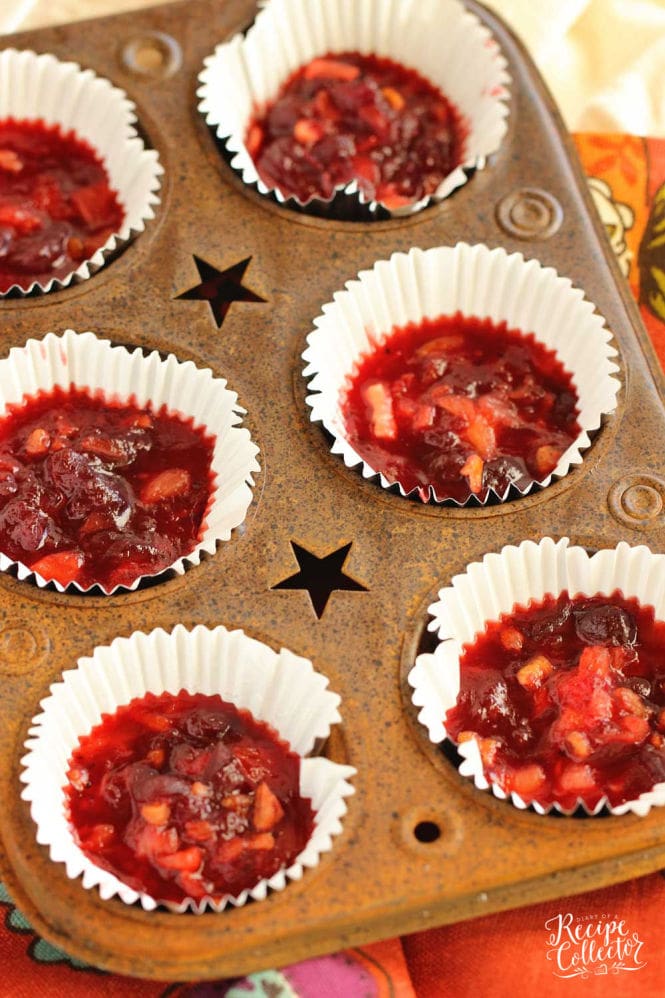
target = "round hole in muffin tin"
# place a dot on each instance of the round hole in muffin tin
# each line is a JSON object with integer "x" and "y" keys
{"x": 427, "y": 831}
{"x": 151, "y": 54}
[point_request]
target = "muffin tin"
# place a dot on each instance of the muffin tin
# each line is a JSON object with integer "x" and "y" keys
{"x": 420, "y": 846}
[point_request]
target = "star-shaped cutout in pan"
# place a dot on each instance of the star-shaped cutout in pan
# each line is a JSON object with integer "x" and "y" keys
{"x": 320, "y": 577}
{"x": 220, "y": 288}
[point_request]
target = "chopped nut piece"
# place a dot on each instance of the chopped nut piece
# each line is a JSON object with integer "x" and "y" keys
{"x": 308, "y": 132}
{"x": 634, "y": 729}
{"x": 236, "y": 802}
{"x": 229, "y": 851}
{"x": 110, "y": 450}
{"x": 95, "y": 522}
{"x": 267, "y": 809}
{"x": 457, "y": 405}
{"x": 441, "y": 344}
{"x": 528, "y": 780}
{"x": 393, "y": 97}
{"x": 157, "y": 813}
{"x": 466, "y": 736}
{"x": 482, "y": 438}
{"x": 534, "y": 672}
{"x": 76, "y": 248}
{"x": 10, "y": 161}
{"x": 254, "y": 139}
{"x": 380, "y": 403}
{"x": 473, "y": 469}
{"x": 262, "y": 842}
{"x": 38, "y": 442}
{"x": 100, "y": 837}
{"x": 511, "y": 639}
{"x": 631, "y": 701}
{"x": 332, "y": 69}
{"x": 577, "y": 745}
{"x": 576, "y": 777}
{"x": 200, "y": 831}
{"x": 187, "y": 860}
{"x": 423, "y": 417}
{"x": 156, "y": 722}
{"x": 143, "y": 421}
{"x": 201, "y": 789}
{"x": 488, "y": 749}
{"x": 156, "y": 757}
{"x": 166, "y": 485}
{"x": 596, "y": 658}
{"x": 63, "y": 566}
{"x": 79, "y": 778}
{"x": 547, "y": 458}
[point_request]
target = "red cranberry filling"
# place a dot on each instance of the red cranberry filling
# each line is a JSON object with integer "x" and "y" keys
{"x": 460, "y": 405}
{"x": 56, "y": 206}
{"x": 186, "y": 796}
{"x": 97, "y": 492}
{"x": 566, "y": 700}
{"x": 348, "y": 117}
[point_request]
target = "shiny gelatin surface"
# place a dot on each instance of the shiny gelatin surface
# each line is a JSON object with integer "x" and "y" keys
{"x": 347, "y": 117}
{"x": 94, "y": 492}
{"x": 185, "y": 796}
{"x": 566, "y": 700}
{"x": 460, "y": 406}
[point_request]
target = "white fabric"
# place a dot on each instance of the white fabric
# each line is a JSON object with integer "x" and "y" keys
{"x": 602, "y": 59}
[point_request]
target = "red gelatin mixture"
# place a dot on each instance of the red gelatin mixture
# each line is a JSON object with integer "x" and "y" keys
{"x": 347, "y": 117}
{"x": 186, "y": 796}
{"x": 97, "y": 492}
{"x": 566, "y": 699}
{"x": 460, "y": 405}
{"x": 56, "y": 206}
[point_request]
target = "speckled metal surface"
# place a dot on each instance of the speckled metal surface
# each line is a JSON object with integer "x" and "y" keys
{"x": 379, "y": 878}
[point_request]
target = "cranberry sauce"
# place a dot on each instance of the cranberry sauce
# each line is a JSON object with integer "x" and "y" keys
{"x": 460, "y": 405}
{"x": 187, "y": 796}
{"x": 95, "y": 492}
{"x": 56, "y": 206}
{"x": 348, "y": 117}
{"x": 566, "y": 700}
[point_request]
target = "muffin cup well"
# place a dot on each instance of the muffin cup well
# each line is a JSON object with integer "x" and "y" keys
{"x": 513, "y": 577}
{"x": 476, "y": 282}
{"x": 40, "y": 87}
{"x": 280, "y": 689}
{"x": 439, "y": 38}
{"x": 83, "y": 361}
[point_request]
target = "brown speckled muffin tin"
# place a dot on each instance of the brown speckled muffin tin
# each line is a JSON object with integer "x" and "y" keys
{"x": 419, "y": 846}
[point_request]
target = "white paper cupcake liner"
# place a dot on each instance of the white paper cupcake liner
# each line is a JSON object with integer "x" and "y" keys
{"x": 478, "y": 282}
{"x": 513, "y": 577}
{"x": 280, "y": 689}
{"x": 34, "y": 87}
{"x": 83, "y": 361}
{"x": 440, "y": 39}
